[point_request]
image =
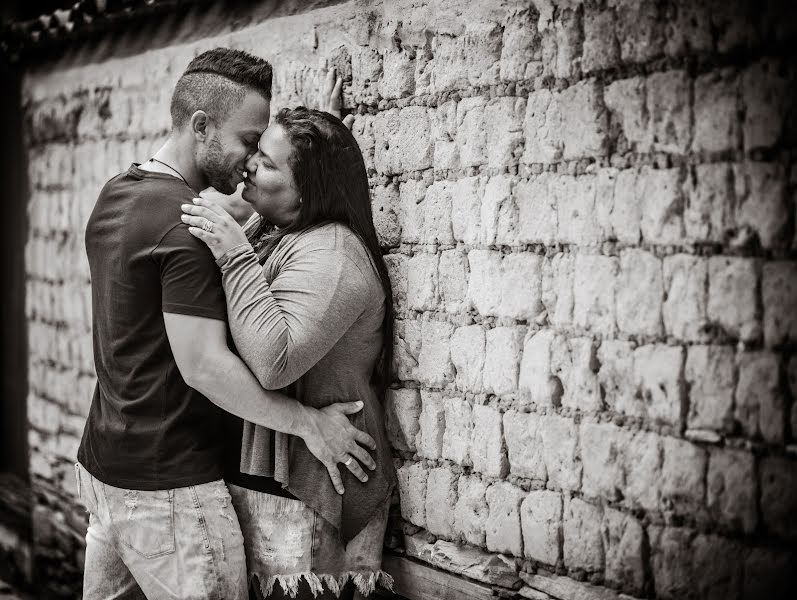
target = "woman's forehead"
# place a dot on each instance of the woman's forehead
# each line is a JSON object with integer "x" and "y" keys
{"x": 274, "y": 143}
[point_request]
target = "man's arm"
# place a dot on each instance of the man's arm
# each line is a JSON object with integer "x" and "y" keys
{"x": 206, "y": 364}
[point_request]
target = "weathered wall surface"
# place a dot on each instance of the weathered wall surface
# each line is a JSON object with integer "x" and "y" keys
{"x": 589, "y": 209}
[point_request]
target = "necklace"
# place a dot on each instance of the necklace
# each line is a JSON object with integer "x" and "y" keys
{"x": 180, "y": 175}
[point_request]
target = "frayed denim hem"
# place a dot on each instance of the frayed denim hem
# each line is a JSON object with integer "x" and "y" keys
{"x": 365, "y": 582}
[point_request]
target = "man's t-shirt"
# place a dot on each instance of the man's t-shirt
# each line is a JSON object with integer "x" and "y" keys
{"x": 146, "y": 428}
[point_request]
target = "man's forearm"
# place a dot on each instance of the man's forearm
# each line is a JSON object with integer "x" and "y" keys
{"x": 226, "y": 381}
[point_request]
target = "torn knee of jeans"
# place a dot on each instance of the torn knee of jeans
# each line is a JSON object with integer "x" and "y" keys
{"x": 131, "y": 501}
{"x": 223, "y": 496}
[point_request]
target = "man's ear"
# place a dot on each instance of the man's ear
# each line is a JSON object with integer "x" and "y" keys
{"x": 200, "y": 124}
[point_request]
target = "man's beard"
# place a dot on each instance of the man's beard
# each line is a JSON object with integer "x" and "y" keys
{"x": 216, "y": 172}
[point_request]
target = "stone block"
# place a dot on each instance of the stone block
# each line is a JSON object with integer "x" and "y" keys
{"x": 436, "y": 210}
{"x": 643, "y": 470}
{"x": 459, "y": 430}
{"x": 385, "y": 208}
{"x": 565, "y": 125}
{"x": 434, "y": 360}
{"x": 524, "y": 445}
{"x": 639, "y": 30}
{"x": 537, "y": 383}
{"x": 778, "y": 500}
{"x": 441, "y": 497}
{"x": 759, "y": 402}
{"x": 624, "y": 549}
{"x": 402, "y": 412}
{"x": 471, "y": 138}
{"x": 520, "y": 48}
{"x": 499, "y": 213}
{"x": 467, "y": 354}
{"x": 474, "y": 563}
{"x": 575, "y": 199}
{"x": 731, "y": 489}
{"x": 625, "y": 214}
{"x": 582, "y": 544}
{"x": 469, "y": 59}
{"x": 412, "y": 479}
{"x": 658, "y": 371}
{"x": 672, "y": 567}
{"x": 710, "y": 379}
{"x": 717, "y": 567}
{"x": 732, "y": 299}
{"x": 765, "y": 96}
{"x": 403, "y": 140}
{"x": 453, "y": 280}
{"x": 717, "y": 126}
{"x": 639, "y": 293}
{"x": 412, "y": 195}
{"x": 541, "y": 523}
{"x": 397, "y": 271}
{"x": 560, "y": 452}
{"x": 503, "y": 128}
{"x": 625, "y": 100}
{"x": 594, "y": 284}
{"x": 668, "y": 94}
{"x": 683, "y": 476}
{"x": 471, "y": 511}
{"x": 602, "y": 448}
{"x": 563, "y": 42}
{"x": 573, "y": 362}
{"x": 422, "y": 282}
{"x": 503, "y": 346}
{"x": 616, "y": 377}
{"x": 601, "y": 48}
{"x": 709, "y": 203}
{"x": 778, "y": 294}
{"x": 487, "y": 450}
{"x": 761, "y": 205}
{"x": 431, "y": 425}
{"x": 503, "y": 528}
{"x": 466, "y": 203}
{"x": 661, "y": 201}
{"x": 398, "y": 74}
{"x": 557, "y": 288}
{"x": 507, "y": 286}
{"x": 684, "y": 311}
{"x": 689, "y": 30}
{"x": 537, "y": 212}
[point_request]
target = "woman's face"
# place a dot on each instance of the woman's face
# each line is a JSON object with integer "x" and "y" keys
{"x": 269, "y": 185}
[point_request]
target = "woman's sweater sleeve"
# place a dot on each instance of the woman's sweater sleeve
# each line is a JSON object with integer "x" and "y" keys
{"x": 283, "y": 329}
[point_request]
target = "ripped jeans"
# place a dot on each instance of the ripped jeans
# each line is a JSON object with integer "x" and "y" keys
{"x": 183, "y": 543}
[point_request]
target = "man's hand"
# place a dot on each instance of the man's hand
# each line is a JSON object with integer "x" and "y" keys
{"x": 332, "y": 98}
{"x": 332, "y": 439}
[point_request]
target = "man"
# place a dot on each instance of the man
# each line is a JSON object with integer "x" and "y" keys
{"x": 150, "y": 469}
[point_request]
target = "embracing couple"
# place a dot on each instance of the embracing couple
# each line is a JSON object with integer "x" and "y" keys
{"x": 198, "y": 475}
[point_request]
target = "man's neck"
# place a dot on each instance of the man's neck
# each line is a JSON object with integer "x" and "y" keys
{"x": 174, "y": 159}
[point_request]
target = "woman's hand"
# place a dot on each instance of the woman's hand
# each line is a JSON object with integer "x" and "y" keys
{"x": 213, "y": 225}
{"x": 332, "y": 98}
{"x": 332, "y": 439}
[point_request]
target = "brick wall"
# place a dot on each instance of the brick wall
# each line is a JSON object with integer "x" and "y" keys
{"x": 589, "y": 214}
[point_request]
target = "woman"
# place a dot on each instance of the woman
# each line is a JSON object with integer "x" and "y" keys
{"x": 310, "y": 307}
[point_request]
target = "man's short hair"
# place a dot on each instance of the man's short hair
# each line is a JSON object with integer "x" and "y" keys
{"x": 216, "y": 81}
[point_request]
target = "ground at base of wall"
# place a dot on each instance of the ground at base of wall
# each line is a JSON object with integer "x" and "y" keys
{"x": 9, "y": 593}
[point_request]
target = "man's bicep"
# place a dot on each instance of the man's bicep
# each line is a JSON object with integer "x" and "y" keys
{"x": 193, "y": 340}
{"x": 190, "y": 278}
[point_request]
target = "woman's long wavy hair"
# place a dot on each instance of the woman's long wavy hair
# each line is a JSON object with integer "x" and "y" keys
{"x": 329, "y": 171}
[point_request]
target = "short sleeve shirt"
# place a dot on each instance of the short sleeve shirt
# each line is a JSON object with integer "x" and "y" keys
{"x": 146, "y": 428}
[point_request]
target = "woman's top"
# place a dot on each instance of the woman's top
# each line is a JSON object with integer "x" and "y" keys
{"x": 311, "y": 318}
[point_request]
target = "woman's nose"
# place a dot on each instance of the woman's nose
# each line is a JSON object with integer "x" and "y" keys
{"x": 251, "y": 164}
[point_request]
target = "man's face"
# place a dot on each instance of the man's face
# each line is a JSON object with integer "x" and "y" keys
{"x": 232, "y": 142}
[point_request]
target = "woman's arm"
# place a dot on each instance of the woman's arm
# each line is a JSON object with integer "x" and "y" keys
{"x": 283, "y": 329}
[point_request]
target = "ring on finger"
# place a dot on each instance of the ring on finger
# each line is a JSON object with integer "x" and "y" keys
{"x": 208, "y": 226}
{"x": 347, "y": 462}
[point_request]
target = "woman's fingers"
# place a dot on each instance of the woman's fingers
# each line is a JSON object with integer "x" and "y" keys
{"x": 201, "y": 234}
{"x": 201, "y": 211}
{"x": 360, "y": 454}
{"x": 194, "y": 221}
{"x": 210, "y": 205}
